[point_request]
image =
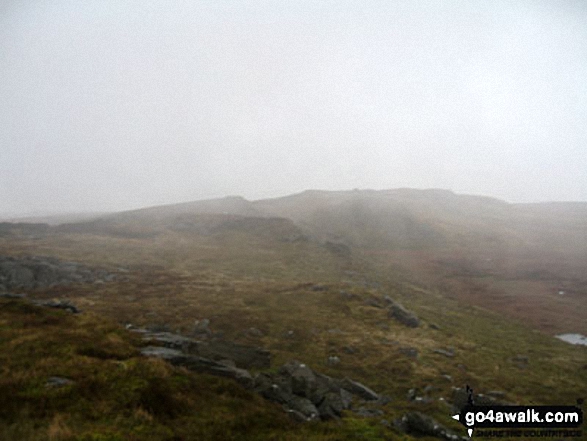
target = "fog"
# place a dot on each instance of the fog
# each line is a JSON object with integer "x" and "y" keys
{"x": 115, "y": 105}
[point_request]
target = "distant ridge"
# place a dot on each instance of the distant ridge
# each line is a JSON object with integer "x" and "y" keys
{"x": 396, "y": 218}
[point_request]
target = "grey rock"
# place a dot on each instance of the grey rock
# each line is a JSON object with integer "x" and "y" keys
{"x": 450, "y": 353}
{"x": 303, "y": 406}
{"x": 244, "y": 356}
{"x": 58, "y": 382}
{"x": 199, "y": 364}
{"x": 359, "y": 389}
{"x": 401, "y": 314}
{"x": 302, "y": 379}
{"x": 254, "y": 332}
{"x": 374, "y": 302}
{"x": 333, "y": 360}
{"x": 333, "y": 404}
{"x": 9, "y": 295}
{"x": 202, "y": 327}
{"x": 419, "y": 424}
{"x": 60, "y": 304}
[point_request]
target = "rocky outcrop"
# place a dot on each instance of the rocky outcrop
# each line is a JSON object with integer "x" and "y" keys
{"x": 243, "y": 356}
{"x": 199, "y": 364}
{"x": 305, "y": 394}
{"x": 401, "y": 314}
{"x": 296, "y": 386}
{"x": 44, "y": 272}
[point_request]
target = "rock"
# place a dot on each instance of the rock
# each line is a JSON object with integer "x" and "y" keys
{"x": 374, "y": 302}
{"x": 359, "y": 389}
{"x": 302, "y": 379}
{"x": 460, "y": 399}
{"x": 496, "y": 394}
{"x": 333, "y": 360}
{"x": 254, "y": 332}
{"x": 58, "y": 382}
{"x": 303, "y": 406}
{"x": 202, "y": 327}
{"x": 9, "y": 295}
{"x": 298, "y": 417}
{"x": 174, "y": 341}
{"x": 319, "y": 288}
{"x": 419, "y": 424}
{"x": 333, "y": 404}
{"x": 409, "y": 352}
{"x": 434, "y": 326}
{"x": 199, "y": 364}
{"x": 244, "y": 356}
{"x": 349, "y": 350}
{"x": 158, "y": 327}
{"x": 43, "y": 272}
{"x": 61, "y": 304}
{"x": 520, "y": 361}
{"x": 446, "y": 352}
{"x": 401, "y": 314}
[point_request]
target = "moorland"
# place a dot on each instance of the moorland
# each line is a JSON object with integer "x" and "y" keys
{"x": 411, "y": 294}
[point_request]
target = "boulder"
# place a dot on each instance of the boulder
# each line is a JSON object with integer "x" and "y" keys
{"x": 419, "y": 424}
{"x": 359, "y": 390}
{"x": 199, "y": 364}
{"x": 402, "y": 315}
{"x": 244, "y": 356}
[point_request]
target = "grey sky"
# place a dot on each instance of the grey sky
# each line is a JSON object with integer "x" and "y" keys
{"x": 111, "y": 105}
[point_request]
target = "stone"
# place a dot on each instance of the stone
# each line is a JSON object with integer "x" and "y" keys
{"x": 419, "y": 424}
{"x": 358, "y": 389}
{"x": 401, "y": 314}
{"x": 244, "y": 356}
{"x": 333, "y": 360}
{"x": 254, "y": 332}
{"x": 199, "y": 364}
{"x": 446, "y": 352}
{"x": 61, "y": 304}
{"x": 58, "y": 382}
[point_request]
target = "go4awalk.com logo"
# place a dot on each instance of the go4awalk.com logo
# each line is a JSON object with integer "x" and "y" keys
{"x": 520, "y": 421}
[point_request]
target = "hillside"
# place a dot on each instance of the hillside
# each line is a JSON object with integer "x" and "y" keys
{"x": 413, "y": 294}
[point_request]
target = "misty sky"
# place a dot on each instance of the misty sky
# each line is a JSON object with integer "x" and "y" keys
{"x": 112, "y": 105}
